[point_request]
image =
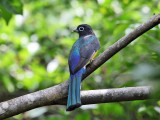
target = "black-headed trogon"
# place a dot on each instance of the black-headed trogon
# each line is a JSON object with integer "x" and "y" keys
{"x": 83, "y": 50}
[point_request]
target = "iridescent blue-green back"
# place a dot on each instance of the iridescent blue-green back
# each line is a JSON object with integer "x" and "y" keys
{"x": 82, "y": 51}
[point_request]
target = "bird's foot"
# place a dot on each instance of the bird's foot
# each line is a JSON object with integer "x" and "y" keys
{"x": 91, "y": 61}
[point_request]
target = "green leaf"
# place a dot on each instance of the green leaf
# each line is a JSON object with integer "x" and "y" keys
{"x": 5, "y": 14}
{"x": 13, "y": 6}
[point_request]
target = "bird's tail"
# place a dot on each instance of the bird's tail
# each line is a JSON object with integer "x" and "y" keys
{"x": 74, "y": 100}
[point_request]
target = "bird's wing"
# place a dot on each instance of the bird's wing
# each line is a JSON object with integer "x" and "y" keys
{"x": 74, "y": 58}
{"x": 87, "y": 47}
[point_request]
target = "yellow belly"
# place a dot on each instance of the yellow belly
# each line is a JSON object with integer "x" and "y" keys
{"x": 94, "y": 55}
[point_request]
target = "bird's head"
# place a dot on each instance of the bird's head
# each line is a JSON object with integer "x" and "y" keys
{"x": 84, "y": 30}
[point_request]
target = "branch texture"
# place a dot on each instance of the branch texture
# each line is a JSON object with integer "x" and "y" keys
{"x": 37, "y": 99}
{"x": 57, "y": 94}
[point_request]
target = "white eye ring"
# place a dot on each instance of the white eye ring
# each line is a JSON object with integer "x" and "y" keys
{"x": 81, "y": 28}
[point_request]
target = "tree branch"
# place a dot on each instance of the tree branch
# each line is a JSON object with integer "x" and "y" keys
{"x": 112, "y": 95}
{"x": 58, "y": 93}
{"x": 45, "y": 97}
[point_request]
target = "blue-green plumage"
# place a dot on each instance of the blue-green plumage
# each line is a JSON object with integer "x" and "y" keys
{"x": 81, "y": 52}
{"x": 74, "y": 100}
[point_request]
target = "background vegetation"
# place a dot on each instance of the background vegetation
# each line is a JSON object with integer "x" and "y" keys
{"x": 35, "y": 40}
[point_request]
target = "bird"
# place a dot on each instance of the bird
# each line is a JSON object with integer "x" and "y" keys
{"x": 83, "y": 50}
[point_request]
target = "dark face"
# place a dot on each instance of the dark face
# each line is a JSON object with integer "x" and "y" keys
{"x": 83, "y": 30}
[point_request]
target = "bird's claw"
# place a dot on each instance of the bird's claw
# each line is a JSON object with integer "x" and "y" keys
{"x": 91, "y": 61}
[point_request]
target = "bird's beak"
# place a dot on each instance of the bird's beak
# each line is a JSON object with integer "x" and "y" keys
{"x": 75, "y": 30}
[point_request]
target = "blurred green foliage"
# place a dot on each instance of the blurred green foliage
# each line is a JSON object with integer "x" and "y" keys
{"x": 35, "y": 44}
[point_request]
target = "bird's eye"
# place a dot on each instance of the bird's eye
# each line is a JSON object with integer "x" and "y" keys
{"x": 81, "y": 28}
